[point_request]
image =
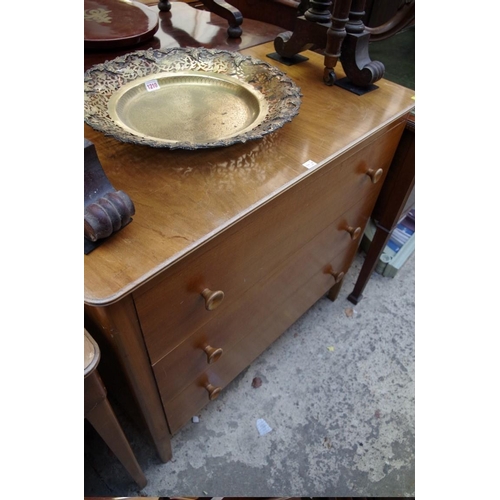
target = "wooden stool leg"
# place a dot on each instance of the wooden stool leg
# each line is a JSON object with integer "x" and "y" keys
{"x": 103, "y": 419}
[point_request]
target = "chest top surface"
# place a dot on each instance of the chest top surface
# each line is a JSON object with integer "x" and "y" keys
{"x": 185, "y": 198}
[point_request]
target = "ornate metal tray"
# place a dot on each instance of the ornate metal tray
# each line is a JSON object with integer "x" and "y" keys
{"x": 188, "y": 98}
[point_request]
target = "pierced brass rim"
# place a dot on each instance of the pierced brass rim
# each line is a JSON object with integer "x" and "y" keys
{"x": 277, "y": 96}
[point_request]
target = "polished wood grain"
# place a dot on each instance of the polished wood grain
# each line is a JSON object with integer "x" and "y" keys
{"x": 252, "y": 250}
{"x": 125, "y": 24}
{"x": 281, "y": 13}
{"x": 184, "y": 364}
{"x": 287, "y": 295}
{"x": 185, "y": 198}
{"x": 185, "y": 26}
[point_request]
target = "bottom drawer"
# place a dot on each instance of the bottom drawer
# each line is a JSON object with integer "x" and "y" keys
{"x": 279, "y": 307}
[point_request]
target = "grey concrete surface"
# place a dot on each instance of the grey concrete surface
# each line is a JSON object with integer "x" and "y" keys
{"x": 338, "y": 392}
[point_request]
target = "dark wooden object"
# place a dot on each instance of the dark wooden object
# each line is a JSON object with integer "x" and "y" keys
{"x": 319, "y": 11}
{"x": 112, "y": 24}
{"x": 334, "y": 38}
{"x": 100, "y": 414}
{"x": 385, "y": 19}
{"x": 342, "y": 35}
{"x": 106, "y": 209}
{"x": 359, "y": 68}
{"x": 391, "y": 205}
{"x": 220, "y": 7}
{"x": 281, "y": 13}
{"x": 185, "y": 26}
{"x": 230, "y": 246}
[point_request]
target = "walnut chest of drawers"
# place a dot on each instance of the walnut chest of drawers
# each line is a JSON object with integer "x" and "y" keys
{"x": 230, "y": 246}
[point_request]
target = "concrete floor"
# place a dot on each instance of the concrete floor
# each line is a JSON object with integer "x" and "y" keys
{"x": 338, "y": 392}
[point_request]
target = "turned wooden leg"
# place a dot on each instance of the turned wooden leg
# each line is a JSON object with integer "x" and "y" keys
{"x": 104, "y": 421}
{"x": 334, "y": 38}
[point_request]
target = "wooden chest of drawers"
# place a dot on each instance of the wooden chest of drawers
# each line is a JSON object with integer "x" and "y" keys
{"x": 229, "y": 247}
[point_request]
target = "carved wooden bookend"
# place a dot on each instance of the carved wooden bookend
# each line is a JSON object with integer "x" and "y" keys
{"x": 220, "y": 7}
{"x": 106, "y": 209}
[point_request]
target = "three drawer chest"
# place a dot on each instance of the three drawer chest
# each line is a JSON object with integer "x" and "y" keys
{"x": 230, "y": 246}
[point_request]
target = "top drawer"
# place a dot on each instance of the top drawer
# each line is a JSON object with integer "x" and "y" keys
{"x": 171, "y": 306}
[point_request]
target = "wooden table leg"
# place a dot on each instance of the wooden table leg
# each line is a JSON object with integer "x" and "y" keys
{"x": 103, "y": 419}
{"x": 391, "y": 204}
{"x": 376, "y": 248}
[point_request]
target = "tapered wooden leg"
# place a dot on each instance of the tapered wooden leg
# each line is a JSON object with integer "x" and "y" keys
{"x": 377, "y": 246}
{"x": 103, "y": 419}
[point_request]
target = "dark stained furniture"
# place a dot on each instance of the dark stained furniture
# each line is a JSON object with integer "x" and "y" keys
{"x": 338, "y": 29}
{"x": 185, "y": 26}
{"x": 385, "y": 18}
{"x": 221, "y": 8}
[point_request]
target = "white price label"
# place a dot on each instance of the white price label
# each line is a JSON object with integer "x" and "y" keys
{"x": 309, "y": 164}
{"x": 152, "y": 85}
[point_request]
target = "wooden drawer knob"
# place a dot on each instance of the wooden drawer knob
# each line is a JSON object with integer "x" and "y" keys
{"x": 213, "y": 354}
{"x": 338, "y": 276}
{"x": 354, "y": 232}
{"x": 212, "y": 299}
{"x": 375, "y": 175}
{"x": 213, "y": 392}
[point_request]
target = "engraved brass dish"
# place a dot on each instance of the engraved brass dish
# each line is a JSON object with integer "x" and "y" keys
{"x": 188, "y": 98}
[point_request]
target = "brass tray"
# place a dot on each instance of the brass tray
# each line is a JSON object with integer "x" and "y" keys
{"x": 188, "y": 98}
